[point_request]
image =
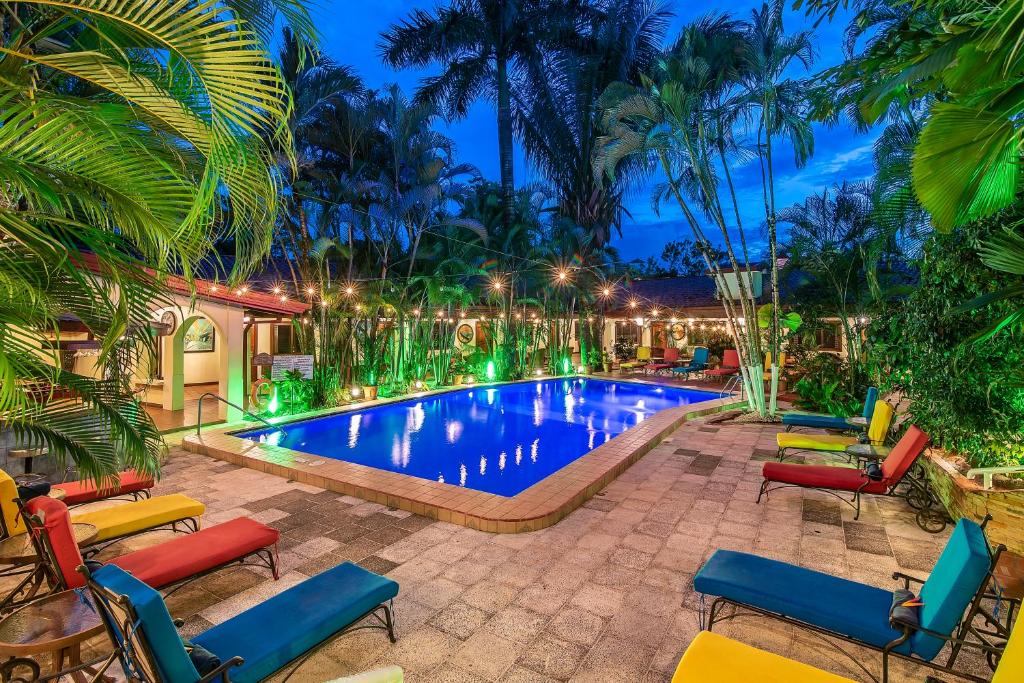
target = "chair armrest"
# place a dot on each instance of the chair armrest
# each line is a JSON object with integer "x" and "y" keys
{"x": 222, "y": 670}
{"x": 907, "y": 579}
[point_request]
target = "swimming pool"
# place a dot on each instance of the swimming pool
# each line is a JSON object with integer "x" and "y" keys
{"x": 500, "y": 439}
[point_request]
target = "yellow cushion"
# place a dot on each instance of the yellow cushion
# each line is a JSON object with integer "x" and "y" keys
{"x": 881, "y": 419}
{"x": 1011, "y": 664}
{"x": 129, "y": 518}
{"x": 712, "y": 658}
{"x": 814, "y": 442}
{"x": 8, "y": 492}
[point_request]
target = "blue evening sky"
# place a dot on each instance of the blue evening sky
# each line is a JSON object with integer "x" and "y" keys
{"x": 351, "y": 33}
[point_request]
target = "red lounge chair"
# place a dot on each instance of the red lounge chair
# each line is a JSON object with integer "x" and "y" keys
{"x": 730, "y": 365}
{"x": 130, "y": 483}
{"x": 172, "y": 563}
{"x": 669, "y": 361}
{"x": 854, "y": 480}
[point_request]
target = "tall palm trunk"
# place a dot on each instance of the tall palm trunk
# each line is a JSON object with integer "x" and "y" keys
{"x": 775, "y": 343}
{"x": 505, "y": 147}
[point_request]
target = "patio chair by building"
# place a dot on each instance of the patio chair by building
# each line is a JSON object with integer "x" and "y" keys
{"x": 858, "y": 612}
{"x": 878, "y": 429}
{"x": 699, "y": 363}
{"x": 669, "y": 360}
{"x": 279, "y": 633}
{"x": 129, "y": 483}
{"x": 729, "y": 367}
{"x": 643, "y": 356}
{"x": 172, "y": 563}
{"x": 822, "y": 421}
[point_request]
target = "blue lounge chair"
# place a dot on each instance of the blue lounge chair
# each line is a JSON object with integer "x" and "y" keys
{"x": 284, "y": 630}
{"x": 699, "y": 363}
{"x": 822, "y": 421}
{"x": 857, "y": 612}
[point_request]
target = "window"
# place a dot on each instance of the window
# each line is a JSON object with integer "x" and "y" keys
{"x": 284, "y": 339}
{"x": 828, "y": 338}
{"x": 627, "y": 332}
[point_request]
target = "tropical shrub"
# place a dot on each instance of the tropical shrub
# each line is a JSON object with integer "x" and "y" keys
{"x": 967, "y": 396}
{"x": 831, "y": 385}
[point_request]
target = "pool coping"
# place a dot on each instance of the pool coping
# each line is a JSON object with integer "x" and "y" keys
{"x": 539, "y": 506}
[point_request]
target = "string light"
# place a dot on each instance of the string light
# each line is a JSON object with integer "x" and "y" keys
{"x": 213, "y": 288}
{"x": 276, "y": 290}
{"x": 310, "y": 291}
{"x": 416, "y": 312}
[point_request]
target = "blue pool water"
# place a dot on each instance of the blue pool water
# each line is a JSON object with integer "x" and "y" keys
{"x": 499, "y": 439}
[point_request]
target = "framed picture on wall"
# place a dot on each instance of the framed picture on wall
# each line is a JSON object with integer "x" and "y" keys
{"x": 464, "y": 334}
{"x": 200, "y": 337}
{"x": 678, "y": 331}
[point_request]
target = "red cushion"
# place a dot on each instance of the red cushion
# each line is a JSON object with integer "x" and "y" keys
{"x": 57, "y": 529}
{"x": 722, "y": 371}
{"x": 191, "y": 554}
{"x": 821, "y": 476}
{"x": 85, "y": 491}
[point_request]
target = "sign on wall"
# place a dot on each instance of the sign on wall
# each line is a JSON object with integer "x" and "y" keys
{"x": 287, "y": 363}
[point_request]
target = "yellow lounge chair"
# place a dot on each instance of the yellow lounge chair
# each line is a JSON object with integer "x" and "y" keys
{"x": 878, "y": 428}
{"x": 643, "y": 357}
{"x": 713, "y": 658}
{"x": 115, "y": 521}
{"x": 768, "y": 365}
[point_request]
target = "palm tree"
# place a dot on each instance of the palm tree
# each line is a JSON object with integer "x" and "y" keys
{"x": 783, "y": 105}
{"x": 112, "y": 165}
{"x": 557, "y": 118}
{"x": 485, "y": 47}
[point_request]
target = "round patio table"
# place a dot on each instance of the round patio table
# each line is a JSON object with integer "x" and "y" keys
{"x": 56, "y": 625}
{"x": 19, "y": 549}
{"x": 58, "y": 494}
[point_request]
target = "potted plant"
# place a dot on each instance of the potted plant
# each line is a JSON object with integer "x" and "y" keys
{"x": 606, "y": 361}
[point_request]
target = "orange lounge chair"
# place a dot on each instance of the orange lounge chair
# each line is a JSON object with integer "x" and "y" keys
{"x": 130, "y": 483}
{"x": 729, "y": 367}
{"x": 670, "y": 360}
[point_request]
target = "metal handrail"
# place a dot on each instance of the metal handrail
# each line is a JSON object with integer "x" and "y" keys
{"x": 730, "y": 386}
{"x": 210, "y": 394}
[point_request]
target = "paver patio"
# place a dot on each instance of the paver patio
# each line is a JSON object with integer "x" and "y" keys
{"x": 604, "y": 595}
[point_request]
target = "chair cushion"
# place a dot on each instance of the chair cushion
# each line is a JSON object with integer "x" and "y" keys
{"x": 821, "y": 476}
{"x": 959, "y": 572}
{"x": 815, "y": 442}
{"x": 129, "y": 518}
{"x": 191, "y": 554}
{"x": 8, "y": 508}
{"x": 713, "y": 658}
{"x": 78, "y": 492}
{"x": 722, "y": 371}
{"x": 162, "y": 636}
{"x": 853, "y": 609}
{"x": 57, "y": 529}
{"x": 817, "y": 421}
{"x": 1011, "y": 664}
{"x": 276, "y": 631}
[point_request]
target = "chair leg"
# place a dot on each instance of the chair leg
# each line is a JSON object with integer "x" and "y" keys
{"x": 856, "y": 498}
{"x": 389, "y": 622}
{"x": 782, "y": 454}
{"x": 763, "y": 491}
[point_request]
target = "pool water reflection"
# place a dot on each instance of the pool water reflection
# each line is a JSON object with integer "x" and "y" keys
{"x": 501, "y": 440}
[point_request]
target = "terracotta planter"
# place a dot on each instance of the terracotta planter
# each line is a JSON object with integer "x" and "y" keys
{"x": 456, "y": 379}
{"x": 965, "y": 497}
{"x": 370, "y": 393}
{"x": 607, "y": 367}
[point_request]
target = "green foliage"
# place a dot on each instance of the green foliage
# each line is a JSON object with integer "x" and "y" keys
{"x": 831, "y": 386}
{"x": 966, "y": 396}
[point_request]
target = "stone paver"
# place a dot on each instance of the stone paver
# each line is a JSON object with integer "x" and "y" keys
{"x": 604, "y": 595}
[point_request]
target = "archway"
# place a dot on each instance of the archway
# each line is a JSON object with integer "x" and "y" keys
{"x": 205, "y": 363}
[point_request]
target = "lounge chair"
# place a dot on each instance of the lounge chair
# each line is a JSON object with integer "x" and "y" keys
{"x": 175, "y": 511}
{"x": 768, "y": 365}
{"x": 893, "y": 472}
{"x": 730, "y": 365}
{"x": 857, "y": 612}
{"x": 643, "y": 357}
{"x": 822, "y": 421}
{"x": 699, "y": 363}
{"x": 129, "y": 483}
{"x": 878, "y": 429}
{"x": 281, "y": 631}
{"x": 172, "y": 563}
{"x": 711, "y": 658}
{"x": 669, "y": 360}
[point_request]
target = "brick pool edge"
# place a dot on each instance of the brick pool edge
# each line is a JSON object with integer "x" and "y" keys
{"x": 539, "y": 506}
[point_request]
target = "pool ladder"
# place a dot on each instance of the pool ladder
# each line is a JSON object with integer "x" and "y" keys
{"x": 210, "y": 394}
{"x": 731, "y": 386}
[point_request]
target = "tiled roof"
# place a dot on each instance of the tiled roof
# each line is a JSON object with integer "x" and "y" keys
{"x": 671, "y": 293}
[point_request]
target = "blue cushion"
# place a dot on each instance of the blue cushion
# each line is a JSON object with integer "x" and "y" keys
{"x": 960, "y": 571}
{"x": 869, "y": 402}
{"x": 275, "y": 632}
{"x": 847, "y": 607}
{"x": 159, "y": 629}
{"x": 816, "y": 421}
